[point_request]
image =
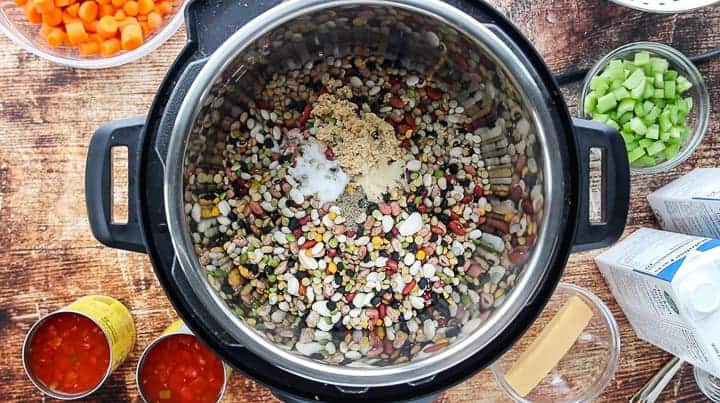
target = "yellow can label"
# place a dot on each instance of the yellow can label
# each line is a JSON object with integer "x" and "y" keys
{"x": 177, "y": 327}
{"x": 114, "y": 318}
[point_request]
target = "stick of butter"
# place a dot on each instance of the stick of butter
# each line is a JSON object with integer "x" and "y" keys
{"x": 550, "y": 346}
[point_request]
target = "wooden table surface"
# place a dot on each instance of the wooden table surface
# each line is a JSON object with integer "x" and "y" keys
{"x": 49, "y": 257}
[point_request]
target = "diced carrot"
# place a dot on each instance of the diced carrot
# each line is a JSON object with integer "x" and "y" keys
{"x": 95, "y": 38}
{"x": 103, "y": 2}
{"x": 88, "y": 11}
{"x": 154, "y": 20}
{"x": 107, "y": 27}
{"x": 20, "y": 2}
{"x": 145, "y": 28}
{"x": 90, "y": 26}
{"x": 145, "y": 6}
{"x": 76, "y": 32}
{"x": 163, "y": 7}
{"x": 118, "y": 3}
{"x": 110, "y": 46}
{"x": 107, "y": 9}
{"x": 127, "y": 21}
{"x": 131, "y": 8}
{"x": 31, "y": 13}
{"x": 67, "y": 18}
{"x": 89, "y": 48}
{"x": 131, "y": 37}
{"x": 56, "y": 37}
{"x": 43, "y": 6}
{"x": 73, "y": 9}
{"x": 52, "y": 17}
{"x": 45, "y": 30}
{"x": 64, "y": 3}
{"x": 120, "y": 15}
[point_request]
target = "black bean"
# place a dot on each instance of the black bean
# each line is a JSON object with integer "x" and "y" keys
{"x": 331, "y": 305}
{"x": 375, "y": 301}
{"x": 453, "y": 168}
{"x": 434, "y": 237}
{"x": 452, "y": 332}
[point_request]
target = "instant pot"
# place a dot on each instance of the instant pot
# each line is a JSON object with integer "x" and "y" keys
{"x": 238, "y": 45}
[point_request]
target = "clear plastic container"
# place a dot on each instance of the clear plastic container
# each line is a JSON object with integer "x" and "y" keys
{"x": 587, "y": 368}
{"x": 25, "y": 34}
{"x": 700, "y": 114}
{"x": 708, "y": 384}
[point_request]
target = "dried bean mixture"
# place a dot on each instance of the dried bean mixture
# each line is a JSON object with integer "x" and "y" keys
{"x": 353, "y": 280}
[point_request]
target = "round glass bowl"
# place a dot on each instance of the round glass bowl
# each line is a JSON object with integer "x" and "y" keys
{"x": 587, "y": 368}
{"x": 699, "y": 115}
{"x": 25, "y": 34}
{"x": 708, "y": 384}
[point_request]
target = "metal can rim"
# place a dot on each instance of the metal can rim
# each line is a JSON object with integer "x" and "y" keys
{"x": 43, "y": 388}
{"x": 154, "y": 343}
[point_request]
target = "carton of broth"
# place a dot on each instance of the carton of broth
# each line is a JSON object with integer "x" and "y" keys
{"x": 690, "y": 204}
{"x": 668, "y": 286}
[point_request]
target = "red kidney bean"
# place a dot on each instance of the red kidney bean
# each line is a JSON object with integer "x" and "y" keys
{"x": 456, "y": 228}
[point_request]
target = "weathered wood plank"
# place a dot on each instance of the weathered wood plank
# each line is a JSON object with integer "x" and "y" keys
{"x": 49, "y": 257}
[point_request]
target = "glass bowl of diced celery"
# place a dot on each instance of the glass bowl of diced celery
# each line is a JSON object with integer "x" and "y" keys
{"x": 655, "y": 97}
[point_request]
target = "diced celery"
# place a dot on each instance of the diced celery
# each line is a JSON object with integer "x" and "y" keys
{"x": 677, "y": 132}
{"x": 642, "y": 58}
{"x": 612, "y": 123}
{"x": 649, "y": 90}
{"x": 645, "y": 143}
{"x": 648, "y": 106}
{"x": 659, "y": 93}
{"x": 645, "y": 161}
{"x": 600, "y": 85}
{"x": 614, "y": 71}
{"x": 669, "y": 89}
{"x": 683, "y": 84}
{"x": 671, "y": 151}
{"x": 636, "y": 79}
{"x": 682, "y": 107}
{"x": 615, "y": 84}
{"x": 599, "y": 117}
{"x": 625, "y": 117}
{"x": 629, "y": 138}
{"x": 655, "y": 147}
{"x": 621, "y": 93}
{"x": 660, "y": 103}
{"x": 670, "y": 75}
{"x": 606, "y": 102}
{"x": 659, "y": 65}
{"x": 638, "y": 91}
{"x": 635, "y": 154}
{"x": 638, "y": 126}
{"x": 639, "y": 110}
{"x": 626, "y": 105}
{"x": 673, "y": 114}
{"x": 665, "y": 135}
{"x": 665, "y": 123}
{"x": 689, "y": 102}
{"x": 658, "y": 81}
{"x": 653, "y": 132}
{"x": 590, "y": 102}
{"x": 651, "y": 117}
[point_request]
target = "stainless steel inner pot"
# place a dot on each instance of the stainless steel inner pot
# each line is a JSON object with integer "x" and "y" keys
{"x": 469, "y": 60}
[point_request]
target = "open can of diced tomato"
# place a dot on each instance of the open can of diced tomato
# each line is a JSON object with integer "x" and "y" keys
{"x": 70, "y": 353}
{"x": 177, "y": 367}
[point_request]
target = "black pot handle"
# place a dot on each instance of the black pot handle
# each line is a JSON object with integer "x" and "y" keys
{"x": 615, "y": 188}
{"x": 98, "y": 184}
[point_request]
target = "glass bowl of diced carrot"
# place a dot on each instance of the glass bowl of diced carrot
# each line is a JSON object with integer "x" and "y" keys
{"x": 90, "y": 33}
